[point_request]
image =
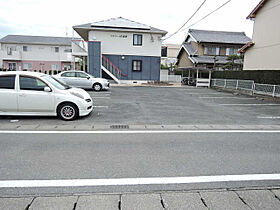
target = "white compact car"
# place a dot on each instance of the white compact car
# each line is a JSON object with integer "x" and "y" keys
{"x": 81, "y": 79}
{"x": 31, "y": 93}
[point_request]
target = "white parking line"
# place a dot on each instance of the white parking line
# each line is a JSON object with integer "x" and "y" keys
{"x": 250, "y": 104}
{"x": 208, "y": 93}
{"x": 268, "y": 117}
{"x": 101, "y": 97}
{"x": 106, "y": 107}
{"x": 137, "y": 181}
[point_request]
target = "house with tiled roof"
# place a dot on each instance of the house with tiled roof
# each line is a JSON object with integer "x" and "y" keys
{"x": 120, "y": 49}
{"x": 204, "y": 51}
{"x": 262, "y": 53}
{"x": 209, "y": 49}
{"x": 36, "y": 53}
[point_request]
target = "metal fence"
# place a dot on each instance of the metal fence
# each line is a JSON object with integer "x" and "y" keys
{"x": 247, "y": 85}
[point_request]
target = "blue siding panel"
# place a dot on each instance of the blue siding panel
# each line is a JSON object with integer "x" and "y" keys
{"x": 150, "y": 66}
{"x": 94, "y": 58}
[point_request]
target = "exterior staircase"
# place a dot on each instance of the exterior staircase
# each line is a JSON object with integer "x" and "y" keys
{"x": 113, "y": 71}
{"x": 79, "y": 49}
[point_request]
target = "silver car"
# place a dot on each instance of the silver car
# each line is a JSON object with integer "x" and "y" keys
{"x": 83, "y": 80}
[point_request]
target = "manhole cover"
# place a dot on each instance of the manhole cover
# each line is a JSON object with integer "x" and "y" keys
{"x": 119, "y": 127}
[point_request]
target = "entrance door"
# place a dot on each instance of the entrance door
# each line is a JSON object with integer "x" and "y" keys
{"x": 12, "y": 66}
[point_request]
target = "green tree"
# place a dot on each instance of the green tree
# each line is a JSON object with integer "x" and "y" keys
{"x": 235, "y": 62}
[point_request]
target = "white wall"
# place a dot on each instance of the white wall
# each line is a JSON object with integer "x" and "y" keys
{"x": 121, "y": 43}
{"x": 37, "y": 52}
{"x": 265, "y": 54}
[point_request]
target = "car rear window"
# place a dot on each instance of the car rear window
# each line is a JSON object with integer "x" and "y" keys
{"x": 7, "y": 82}
{"x": 68, "y": 74}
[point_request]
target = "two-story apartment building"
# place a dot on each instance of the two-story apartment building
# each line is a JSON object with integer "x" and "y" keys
{"x": 35, "y": 53}
{"x": 263, "y": 52}
{"x": 122, "y": 49}
{"x": 209, "y": 49}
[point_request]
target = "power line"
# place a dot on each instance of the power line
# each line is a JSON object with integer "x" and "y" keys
{"x": 187, "y": 20}
{"x": 208, "y": 15}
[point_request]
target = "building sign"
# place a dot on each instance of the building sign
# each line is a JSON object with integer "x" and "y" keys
{"x": 118, "y": 36}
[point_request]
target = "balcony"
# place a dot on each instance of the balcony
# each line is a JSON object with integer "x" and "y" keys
{"x": 12, "y": 55}
{"x": 79, "y": 48}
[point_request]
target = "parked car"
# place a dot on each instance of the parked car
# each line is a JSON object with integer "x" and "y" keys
{"x": 83, "y": 80}
{"x": 31, "y": 93}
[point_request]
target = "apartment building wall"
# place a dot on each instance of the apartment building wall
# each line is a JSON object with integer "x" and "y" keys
{"x": 35, "y": 56}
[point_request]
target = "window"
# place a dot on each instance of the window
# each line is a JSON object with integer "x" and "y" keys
{"x": 66, "y": 67}
{"x": 81, "y": 75}
{"x": 31, "y": 83}
{"x": 232, "y": 51}
{"x": 68, "y": 74}
{"x": 68, "y": 50}
{"x": 211, "y": 50}
{"x": 164, "y": 52}
{"x": 56, "y": 49}
{"x": 136, "y": 65}
{"x": 25, "y": 48}
{"x": 9, "y": 51}
{"x": 27, "y": 66}
{"x": 55, "y": 66}
{"x": 7, "y": 82}
{"x": 12, "y": 66}
{"x": 137, "y": 39}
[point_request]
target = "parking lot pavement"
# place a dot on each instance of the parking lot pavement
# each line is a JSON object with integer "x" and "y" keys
{"x": 198, "y": 200}
{"x": 163, "y": 108}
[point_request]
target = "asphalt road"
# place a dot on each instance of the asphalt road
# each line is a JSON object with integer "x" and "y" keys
{"x": 107, "y": 156}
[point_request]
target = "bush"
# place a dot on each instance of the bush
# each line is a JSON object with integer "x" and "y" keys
{"x": 259, "y": 76}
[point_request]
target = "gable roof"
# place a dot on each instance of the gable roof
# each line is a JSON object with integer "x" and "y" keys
{"x": 120, "y": 23}
{"x": 189, "y": 49}
{"x": 253, "y": 14}
{"x": 22, "y": 39}
{"x": 116, "y": 24}
{"x": 219, "y": 36}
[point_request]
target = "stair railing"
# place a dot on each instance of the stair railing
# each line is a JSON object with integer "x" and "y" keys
{"x": 112, "y": 68}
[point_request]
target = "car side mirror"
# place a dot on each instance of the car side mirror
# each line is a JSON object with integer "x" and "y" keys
{"x": 47, "y": 89}
{"x": 88, "y": 77}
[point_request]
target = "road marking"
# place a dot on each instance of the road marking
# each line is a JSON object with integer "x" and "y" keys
{"x": 101, "y": 97}
{"x": 209, "y": 97}
{"x": 250, "y": 104}
{"x": 269, "y": 117}
{"x": 136, "y": 181}
{"x": 208, "y": 93}
{"x": 101, "y": 107}
{"x": 137, "y": 131}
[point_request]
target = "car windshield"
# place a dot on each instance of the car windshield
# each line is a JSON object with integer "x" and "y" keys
{"x": 55, "y": 82}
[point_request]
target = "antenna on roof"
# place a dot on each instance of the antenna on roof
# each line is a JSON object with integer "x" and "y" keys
{"x": 66, "y": 28}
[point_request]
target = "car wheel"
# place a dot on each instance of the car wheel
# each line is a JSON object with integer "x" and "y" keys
{"x": 67, "y": 112}
{"x": 97, "y": 87}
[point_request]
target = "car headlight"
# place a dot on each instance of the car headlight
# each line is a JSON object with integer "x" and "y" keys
{"x": 77, "y": 95}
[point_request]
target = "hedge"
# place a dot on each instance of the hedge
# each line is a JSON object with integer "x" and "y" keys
{"x": 259, "y": 76}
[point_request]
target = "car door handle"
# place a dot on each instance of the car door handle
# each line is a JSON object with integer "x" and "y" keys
{"x": 22, "y": 95}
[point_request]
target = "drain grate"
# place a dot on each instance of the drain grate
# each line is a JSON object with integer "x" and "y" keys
{"x": 119, "y": 127}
